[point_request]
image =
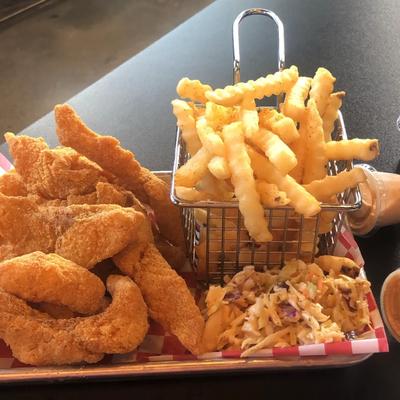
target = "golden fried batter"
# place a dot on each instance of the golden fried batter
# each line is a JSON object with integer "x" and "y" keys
{"x": 15, "y": 306}
{"x": 107, "y": 152}
{"x": 38, "y": 277}
{"x": 52, "y": 173}
{"x": 11, "y": 184}
{"x": 85, "y": 234}
{"x": 165, "y": 293}
{"x": 119, "y": 329}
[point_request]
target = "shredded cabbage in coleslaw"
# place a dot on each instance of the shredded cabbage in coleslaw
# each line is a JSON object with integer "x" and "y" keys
{"x": 299, "y": 304}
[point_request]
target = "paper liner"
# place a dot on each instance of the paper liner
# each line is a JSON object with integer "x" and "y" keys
{"x": 159, "y": 345}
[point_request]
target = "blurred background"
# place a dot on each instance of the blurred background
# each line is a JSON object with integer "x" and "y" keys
{"x": 53, "y": 49}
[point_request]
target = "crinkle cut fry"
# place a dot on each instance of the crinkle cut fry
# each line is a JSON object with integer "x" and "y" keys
{"x": 186, "y": 121}
{"x": 192, "y": 89}
{"x": 272, "y": 84}
{"x": 107, "y": 152}
{"x": 165, "y": 293}
{"x": 331, "y": 185}
{"x": 39, "y": 277}
{"x": 315, "y": 158}
{"x": 303, "y": 202}
{"x": 244, "y": 183}
{"x": 358, "y": 149}
{"x": 119, "y": 329}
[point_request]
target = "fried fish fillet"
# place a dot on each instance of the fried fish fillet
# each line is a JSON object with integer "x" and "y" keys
{"x": 84, "y": 234}
{"x": 119, "y": 329}
{"x": 107, "y": 152}
{"x": 13, "y": 305}
{"x": 39, "y": 277}
{"x": 106, "y": 193}
{"x": 166, "y": 294}
{"x": 52, "y": 173}
{"x": 11, "y": 184}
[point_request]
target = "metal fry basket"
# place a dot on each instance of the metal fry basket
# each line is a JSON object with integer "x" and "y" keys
{"x": 217, "y": 241}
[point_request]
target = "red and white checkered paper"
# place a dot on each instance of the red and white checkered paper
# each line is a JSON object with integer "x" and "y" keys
{"x": 159, "y": 345}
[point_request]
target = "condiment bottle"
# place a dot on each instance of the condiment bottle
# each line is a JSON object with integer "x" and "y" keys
{"x": 380, "y": 202}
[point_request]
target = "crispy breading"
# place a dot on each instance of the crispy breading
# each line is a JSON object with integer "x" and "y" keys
{"x": 107, "y": 152}
{"x": 104, "y": 150}
{"x": 11, "y": 184}
{"x": 166, "y": 294}
{"x": 52, "y": 173}
{"x": 15, "y": 306}
{"x": 106, "y": 193}
{"x": 39, "y": 277}
{"x": 119, "y": 329}
{"x": 85, "y": 234}
{"x": 54, "y": 310}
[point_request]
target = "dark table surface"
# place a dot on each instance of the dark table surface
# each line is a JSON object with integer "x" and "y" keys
{"x": 358, "y": 41}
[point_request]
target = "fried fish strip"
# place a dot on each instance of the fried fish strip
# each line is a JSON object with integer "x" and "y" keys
{"x": 165, "y": 293}
{"x": 39, "y": 277}
{"x": 85, "y": 234}
{"x": 107, "y": 152}
{"x": 52, "y": 173}
{"x": 11, "y": 184}
{"x": 119, "y": 329}
{"x": 15, "y": 306}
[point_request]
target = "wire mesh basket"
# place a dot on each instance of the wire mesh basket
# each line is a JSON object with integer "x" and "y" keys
{"x": 218, "y": 243}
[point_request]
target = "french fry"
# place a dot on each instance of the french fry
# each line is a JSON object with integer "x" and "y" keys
{"x": 190, "y": 194}
{"x": 299, "y": 149}
{"x": 192, "y": 89}
{"x": 315, "y": 158}
{"x": 321, "y": 88}
{"x": 244, "y": 183}
{"x": 279, "y": 124}
{"x": 275, "y": 149}
{"x": 219, "y": 167}
{"x": 218, "y": 116}
{"x": 270, "y": 195}
{"x": 194, "y": 169}
{"x": 186, "y": 122}
{"x": 198, "y": 111}
{"x": 331, "y": 114}
{"x": 294, "y": 105}
{"x": 272, "y": 84}
{"x": 339, "y": 265}
{"x": 249, "y": 118}
{"x": 217, "y": 189}
{"x": 330, "y": 185}
{"x": 303, "y": 202}
{"x": 353, "y": 149}
{"x": 209, "y": 138}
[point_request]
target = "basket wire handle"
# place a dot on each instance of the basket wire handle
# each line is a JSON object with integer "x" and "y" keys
{"x": 236, "y": 46}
